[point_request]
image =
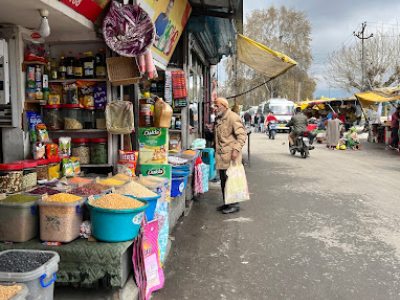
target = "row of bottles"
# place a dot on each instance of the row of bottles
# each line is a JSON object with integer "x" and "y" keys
{"x": 84, "y": 66}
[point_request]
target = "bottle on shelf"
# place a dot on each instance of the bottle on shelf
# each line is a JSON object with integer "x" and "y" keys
{"x": 88, "y": 65}
{"x": 69, "y": 62}
{"x": 78, "y": 67}
{"x": 38, "y": 83}
{"x": 62, "y": 69}
{"x": 53, "y": 69}
{"x": 146, "y": 109}
{"x": 100, "y": 63}
{"x": 178, "y": 123}
{"x": 45, "y": 82}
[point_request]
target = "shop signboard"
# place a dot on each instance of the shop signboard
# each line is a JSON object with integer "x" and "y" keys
{"x": 91, "y": 9}
{"x": 170, "y": 18}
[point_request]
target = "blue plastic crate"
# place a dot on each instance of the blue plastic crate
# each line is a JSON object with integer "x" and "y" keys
{"x": 208, "y": 157}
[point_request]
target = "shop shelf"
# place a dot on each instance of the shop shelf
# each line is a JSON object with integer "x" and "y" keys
{"x": 80, "y": 79}
{"x": 78, "y": 130}
{"x": 175, "y": 130}
{"x": 96, "y": 166}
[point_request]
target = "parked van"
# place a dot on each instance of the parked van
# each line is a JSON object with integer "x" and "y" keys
{"x": 282, "y": 109}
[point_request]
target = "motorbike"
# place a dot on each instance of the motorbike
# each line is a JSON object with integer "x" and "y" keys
{"x": 301, "y": 145}
{"x": 272, "y": 128}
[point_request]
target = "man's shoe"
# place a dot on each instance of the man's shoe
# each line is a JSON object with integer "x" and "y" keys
{"x": 231, "y": 209}
{"x": 222, "y": 207}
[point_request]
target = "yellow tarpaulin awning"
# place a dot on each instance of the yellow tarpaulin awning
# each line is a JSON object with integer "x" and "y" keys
{"x": 261, "y": 58}
{"x": 369, "y": 98}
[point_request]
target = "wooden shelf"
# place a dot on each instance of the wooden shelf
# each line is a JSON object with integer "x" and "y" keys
{"x": 73, "y": 80}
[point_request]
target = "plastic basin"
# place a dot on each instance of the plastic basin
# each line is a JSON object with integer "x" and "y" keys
{"x": 116, "y": 225}
{"x": 178, "y": 185}
{"x": 152, "y": 203}
{"x": 40, "y": 281}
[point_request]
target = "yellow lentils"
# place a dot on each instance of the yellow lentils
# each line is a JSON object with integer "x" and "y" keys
{"x": 135, "y": 189}
{"x": 111, "y": 182}
{"x": 9, "y": 291}
{"x": 122, "y": 177}
{"x": 116, "y": 201}
{"x": 63, "y": 198}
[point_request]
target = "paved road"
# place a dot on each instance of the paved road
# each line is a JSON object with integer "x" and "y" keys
{"x": 325, "y": 227}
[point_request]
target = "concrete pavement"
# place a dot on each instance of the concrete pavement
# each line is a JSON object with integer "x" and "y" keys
{"x": 325, "y": 227}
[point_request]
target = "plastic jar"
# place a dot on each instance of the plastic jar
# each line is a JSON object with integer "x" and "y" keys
{"x": 11, "y": 177}
{"x": 42, "y": 169}
{"x": 80, "y": 148}
{"x": 54, "y": 168}
{"x": 98, "y": 151}
{"x": 73, "y": 117}
{"x": 29, "y": 179}
{"x": 52, "y": 117}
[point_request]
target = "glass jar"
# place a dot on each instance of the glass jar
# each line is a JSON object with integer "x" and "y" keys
{"x": 29, "y": 179}
{"x": 54, "y": 168}
{"x": 42, "y": 169}
{"x": 11, "y": 178}
{"x": 52, "y": 117}
{"x": 88, "y": 118}
{"x": 73, "y": 117}
{"x": 80, "y": 148}
{"x": 100, "y": 119}
{"x": 98, "y": 151}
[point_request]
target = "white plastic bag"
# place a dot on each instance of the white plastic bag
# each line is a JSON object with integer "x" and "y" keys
{"x": 236, "y": 189}
{"x": 119, "y": 117}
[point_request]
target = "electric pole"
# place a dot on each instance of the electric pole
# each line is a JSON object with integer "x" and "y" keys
{"x": 362, "y": 37}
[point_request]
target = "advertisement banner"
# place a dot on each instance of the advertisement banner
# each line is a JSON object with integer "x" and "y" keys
{"x": 170, "y": 18}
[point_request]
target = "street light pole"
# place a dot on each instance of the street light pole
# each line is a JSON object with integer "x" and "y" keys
{"x": 361, "y": 36}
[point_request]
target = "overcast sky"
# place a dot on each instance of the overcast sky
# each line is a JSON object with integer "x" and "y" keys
{"x": 333, "y": 23}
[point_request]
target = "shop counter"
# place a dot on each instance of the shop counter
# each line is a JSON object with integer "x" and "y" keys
{"x": 87, "y": 264}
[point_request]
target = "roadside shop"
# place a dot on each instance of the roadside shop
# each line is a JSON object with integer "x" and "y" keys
{"x": 80, "y": 105}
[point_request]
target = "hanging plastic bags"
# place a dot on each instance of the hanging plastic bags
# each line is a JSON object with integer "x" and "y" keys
{"x": 236, "y": 189}
{"x": 119, "y": 117}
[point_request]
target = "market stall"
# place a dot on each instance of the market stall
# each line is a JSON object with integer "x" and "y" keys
{"x": 94, "y": 107}
{"x": 378, "y": 106}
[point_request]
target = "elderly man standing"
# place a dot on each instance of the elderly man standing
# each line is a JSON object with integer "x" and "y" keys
{"x": 230, "y": 137}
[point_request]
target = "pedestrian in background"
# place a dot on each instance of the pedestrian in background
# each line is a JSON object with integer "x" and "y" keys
{"x": 230, "y": 137}
{"x": 395, "y": 129}
{"x": 333, "y": 132}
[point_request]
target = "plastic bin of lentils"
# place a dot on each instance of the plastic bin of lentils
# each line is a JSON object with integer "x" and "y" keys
{"x": 61, "y": 216}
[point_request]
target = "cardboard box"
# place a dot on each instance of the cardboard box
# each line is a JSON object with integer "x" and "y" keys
{"x": 153, "y": 138}
{"x": 156, "y": 156}
{"x": 164, "y": 171}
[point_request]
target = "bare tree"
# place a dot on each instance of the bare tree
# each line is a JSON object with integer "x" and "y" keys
{"x": 287, "y": 31}
{"x": 382, "y": 64}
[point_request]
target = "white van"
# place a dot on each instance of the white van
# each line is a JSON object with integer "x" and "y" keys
{"x": 282, "y": 109}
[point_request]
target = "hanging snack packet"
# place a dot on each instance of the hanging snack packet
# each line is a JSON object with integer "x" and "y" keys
{"x": 127, "y": 162}
{"x": 67, "y": 168}
{"x": 86, "y": 94}
{"x": 42, "y": 134}
{"x": 100, "y": 96}
{"x": 39, "y": 151}
{"x": 51, "y": 150}
{"x": 76, "y": 165}
{"x": 64, "y": 144}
